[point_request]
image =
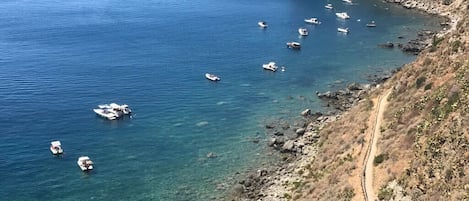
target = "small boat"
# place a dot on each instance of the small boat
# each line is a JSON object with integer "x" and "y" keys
{"x": 342, "y": 15}
{"x": 56, "y": 147}
{"x": 85, "y": 163}
{"x": 270, "y": 66}
{"x": 371, "y": 24}
{"x": 343, "y": 30}
{"x": 348, "y": 1}
{"x": 107, "y": 113}
{"x": 212, "y": 77}
{"x": 112, "y": 111}
{"x": 328, "y": 6}
{"x": 303, "y": 31}
{"x": 312, "y": 20}
{"x": 294, "y": 45}
{"x": 262, "y": 24}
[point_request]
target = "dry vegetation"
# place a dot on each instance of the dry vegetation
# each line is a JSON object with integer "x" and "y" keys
{"x": 425, "y": 137}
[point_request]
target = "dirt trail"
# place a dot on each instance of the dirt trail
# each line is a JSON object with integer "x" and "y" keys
{"x": 367, "y": 177}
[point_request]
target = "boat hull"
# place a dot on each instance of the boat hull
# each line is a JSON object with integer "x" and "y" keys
{"x": 56, "y": 151}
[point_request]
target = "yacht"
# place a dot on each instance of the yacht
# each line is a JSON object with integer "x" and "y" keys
{"x": 313, "y": 20}
{"x": 303, "y": 31}
{"x": 371, "y": 24}
{"x": 342, "y": 15}
{"x": 85, "y": 163}
{"x": 348, "y": 1}
{"x": 294, "y": 45}
{"x": 56, "y": 147}
{"x": 270, "y": 66}
{"x": 212, "y": 77}
{"x": 262, "y": 24}
{"x": 328, "y": 6}
{"x": 343, "y": 30}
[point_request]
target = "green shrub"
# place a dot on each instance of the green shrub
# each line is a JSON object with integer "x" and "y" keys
{"x": 385, "y": 194}
{"x": 428, "y": 86}
{"x": 456, "y": 45}
{"x": 419, "y": 82}
{"x": 380, "y": 158}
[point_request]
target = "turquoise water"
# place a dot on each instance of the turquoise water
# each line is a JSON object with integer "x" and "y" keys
{"x": 60, "y": 59}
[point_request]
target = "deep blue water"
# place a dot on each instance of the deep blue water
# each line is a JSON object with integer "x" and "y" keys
{"x": 60, "y": 59}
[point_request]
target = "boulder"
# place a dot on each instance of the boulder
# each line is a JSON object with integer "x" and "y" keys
{"x": 288, "y": 146}
{"x": 300, "y": 131}
{"x": 306, "y": 112}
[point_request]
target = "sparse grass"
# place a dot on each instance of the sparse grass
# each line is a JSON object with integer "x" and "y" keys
{"x": 347, "y": 194}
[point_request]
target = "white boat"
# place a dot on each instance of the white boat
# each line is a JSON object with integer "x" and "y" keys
{"x": 343, "y": 30}
{"x": 371, "y": 24}
{"x": 270, "y": 66}
{"x": 262, "y": 24}
{"x": 303, "y": 31}
{"x": 112, "y": 111}
{"x": 294, "y": 45}
{"x": 85, "y": 163}
{"x": 342, "y": 15}
{"x": 348, "y": 1}
{"x": 313, "y": 20}
{"x": 328, "y": 6}
{"x": 212, "y": 77}
{"x": 114, "y": 106}
{"x": 108, "y": 113}
{"x": 56, "y": 147}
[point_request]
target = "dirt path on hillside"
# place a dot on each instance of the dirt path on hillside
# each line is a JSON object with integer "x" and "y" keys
{"x": 367, "y": 178}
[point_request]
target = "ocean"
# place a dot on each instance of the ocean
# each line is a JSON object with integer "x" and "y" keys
{"x": 60, "y": 59}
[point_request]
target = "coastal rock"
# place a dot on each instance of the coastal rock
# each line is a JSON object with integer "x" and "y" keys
{"x": 270, "y": 126}
{"x": 306, "y": 112}
{"x": 272, "y": 142}
{"x": 300, "y": 131}
{"x": 386, "y": 45}
{"x": 211, "y": 155}
{"x": 288, "y": 146}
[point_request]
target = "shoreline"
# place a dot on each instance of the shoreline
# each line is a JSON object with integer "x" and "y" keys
{"x": 269, "y": 183}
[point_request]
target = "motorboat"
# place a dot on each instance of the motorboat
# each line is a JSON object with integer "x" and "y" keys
{"x": 328, "y": 6}
{"x": 294, "y": 45}
{"x": 262, "y": 24}
{"x": 270, "y": 66}
{"x": 371, "y": 24}
{"x": 112, "y": 111}
{"x": 312, "y": 20}
{"x": 303, "y": 31}
{"x": 85, "y": 163}
{"x": 348, "y": 1}
{"x": 56, "y": 147}
{"x": 343, "y": 30}
{"x": 283, "y": 68}
{"x": 108, "y": 113}
{"x": 114, "y": 106}
{"x": 342, "y": 15}
{"x": 212, "y": 77}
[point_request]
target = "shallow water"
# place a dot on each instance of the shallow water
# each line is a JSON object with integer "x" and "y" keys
{"x": 60, "y": 59}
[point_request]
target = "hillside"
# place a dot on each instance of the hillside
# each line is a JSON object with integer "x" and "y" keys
{"x": 423, "y": 143}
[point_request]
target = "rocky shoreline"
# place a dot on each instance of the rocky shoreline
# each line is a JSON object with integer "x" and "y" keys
{"x": 297, "y": 141}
